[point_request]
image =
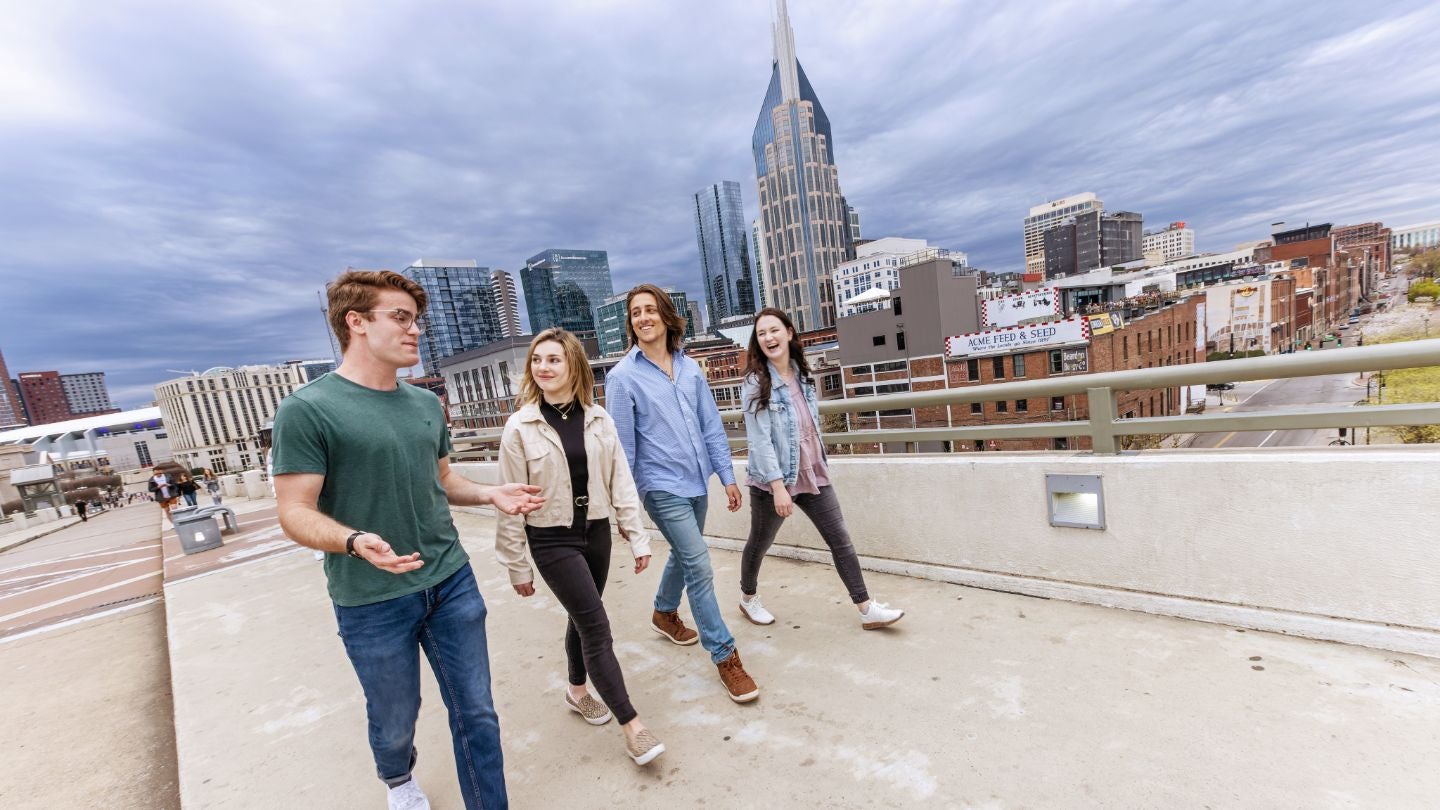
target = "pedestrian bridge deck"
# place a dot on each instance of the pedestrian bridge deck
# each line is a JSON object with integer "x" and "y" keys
{"x": 976, "y": 699}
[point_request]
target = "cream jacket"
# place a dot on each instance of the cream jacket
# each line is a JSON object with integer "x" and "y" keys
{"x": 531, "y": 453}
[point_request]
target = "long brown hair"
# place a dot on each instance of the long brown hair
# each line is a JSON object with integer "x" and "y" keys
{"x": 582, "y": 379}
{"x": 758, "y": 364}
{"x": 674, "y": 322}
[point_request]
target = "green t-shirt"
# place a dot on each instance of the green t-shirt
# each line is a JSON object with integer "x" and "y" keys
{"x": 379, "y": 452}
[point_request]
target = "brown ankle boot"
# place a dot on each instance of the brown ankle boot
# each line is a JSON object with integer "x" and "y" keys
{"x": 670, "y": 626}
{"x": 737, "y": 682}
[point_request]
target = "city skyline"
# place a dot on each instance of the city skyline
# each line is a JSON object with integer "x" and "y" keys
{"x": 200, "y": 172}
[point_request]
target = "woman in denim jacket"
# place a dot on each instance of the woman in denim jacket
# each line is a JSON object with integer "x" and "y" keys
{"x": 787, "y": 466}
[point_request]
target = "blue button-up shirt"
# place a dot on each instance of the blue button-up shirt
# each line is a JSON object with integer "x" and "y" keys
{"x": 671, "y": 430}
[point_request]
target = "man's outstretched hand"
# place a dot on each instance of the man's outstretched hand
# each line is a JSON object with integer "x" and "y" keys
{"x": 516, "y": 499}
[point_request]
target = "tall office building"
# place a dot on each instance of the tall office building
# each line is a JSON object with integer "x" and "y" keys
{"x": 1121, "y": 238}
{"x": 44, "y": 397}
{"x": 12, "y": 414}
{"x": 757, "y": 259}
{"x": 806, "y": 222}
{"x": 694, "y": 319}
{"x": 564, "y": 288}
{"x": 726, "y": 278}
{"x": 461, "y": 314}
{"x": 86, "y": 393}
{"x": 1042, "y": 217}
{"x": 507, "y": 303}
{"x": 610, "y": 319}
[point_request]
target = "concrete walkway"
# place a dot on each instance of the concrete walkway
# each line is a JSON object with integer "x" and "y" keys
{"x": 976, "y": 699}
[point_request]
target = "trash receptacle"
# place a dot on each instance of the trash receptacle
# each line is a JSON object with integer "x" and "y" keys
{"x": 197, "y": 533}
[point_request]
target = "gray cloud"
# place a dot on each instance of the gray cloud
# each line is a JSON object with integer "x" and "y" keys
{"x": 181, "y": 178}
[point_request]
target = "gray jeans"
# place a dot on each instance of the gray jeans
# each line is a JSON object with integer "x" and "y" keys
{"x": 823, "y": 511}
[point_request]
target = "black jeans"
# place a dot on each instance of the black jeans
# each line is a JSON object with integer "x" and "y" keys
{"x": 575, "y": 565}
{"x": 823, "y": 511}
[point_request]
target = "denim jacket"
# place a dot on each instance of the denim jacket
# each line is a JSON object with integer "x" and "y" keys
{"x": 771, "y": 433}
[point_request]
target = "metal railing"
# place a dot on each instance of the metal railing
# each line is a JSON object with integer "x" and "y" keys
{"x": 1102, "y": 425}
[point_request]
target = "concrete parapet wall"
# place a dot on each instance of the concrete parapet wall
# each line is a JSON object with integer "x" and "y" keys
{"x": 1334, "y": 544}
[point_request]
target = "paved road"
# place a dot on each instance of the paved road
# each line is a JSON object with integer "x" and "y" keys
{"x": 1270, "y": 395}
{"x": 112, "y": 559}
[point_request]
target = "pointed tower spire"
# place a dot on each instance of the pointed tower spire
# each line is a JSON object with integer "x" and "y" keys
{"x": 785, "y": 54}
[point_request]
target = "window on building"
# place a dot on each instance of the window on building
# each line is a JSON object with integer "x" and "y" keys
{"x": 1057, "y": 361}
{"x": 900, "y": 341}
{"x": 1002, "y": 407}
{"x": 1017, "y": 365}
{"x": 972, "y": 370}
{"x": 895, "y": 304}
{"x": 979, "y": 444}
{"x": 997, "y": 367}
{"x": 977, "y": 408}
{"x": 1057, "y": 403}
{"x": 1124, "y": 347}
{"x": 1022, "y": 405}
{"x": 878, "y": 340}
{"x": 1062, "y": 444}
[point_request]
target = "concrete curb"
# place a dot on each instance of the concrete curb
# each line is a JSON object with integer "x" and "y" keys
{"x": 50, "y": 529}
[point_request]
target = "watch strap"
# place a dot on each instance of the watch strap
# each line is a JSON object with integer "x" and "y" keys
{"x": 350, "y": 545}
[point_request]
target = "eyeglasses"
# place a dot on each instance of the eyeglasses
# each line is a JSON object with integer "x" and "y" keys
{"x": 404, "y": 317}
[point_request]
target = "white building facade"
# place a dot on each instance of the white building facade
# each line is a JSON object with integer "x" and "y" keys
{"x": 876, "y": 265}
{"x": 1416, "y": 237}
{"x": 1047, "y": 215}
{"x": 215, "y": 418}
{"x": 1174, "y": 242}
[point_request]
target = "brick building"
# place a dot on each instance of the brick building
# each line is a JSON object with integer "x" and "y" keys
{"x": 44, "y": 397}
{"x": 1131, "y": 338}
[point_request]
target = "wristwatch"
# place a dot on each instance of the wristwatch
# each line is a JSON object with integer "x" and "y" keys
{"x": 350, "y": 545}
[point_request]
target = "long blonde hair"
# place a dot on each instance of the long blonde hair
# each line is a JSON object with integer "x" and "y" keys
{"x": 582, "y": 379}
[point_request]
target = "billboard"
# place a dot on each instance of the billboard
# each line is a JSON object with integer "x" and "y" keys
{"x": 1019, "y": 338}
{"x": 1011, "y": 310}
{"x": 1105, "y": 323}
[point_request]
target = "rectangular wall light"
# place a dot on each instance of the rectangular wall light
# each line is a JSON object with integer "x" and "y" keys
{"x": 1075, "y": 501}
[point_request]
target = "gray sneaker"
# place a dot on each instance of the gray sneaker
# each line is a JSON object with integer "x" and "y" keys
{"x": 589, "y": 708}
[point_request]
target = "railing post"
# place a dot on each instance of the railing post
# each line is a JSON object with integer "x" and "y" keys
{"x": 1102, "y": 420}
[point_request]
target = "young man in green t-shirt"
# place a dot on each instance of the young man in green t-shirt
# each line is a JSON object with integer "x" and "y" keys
{"x": 362, "y": 472}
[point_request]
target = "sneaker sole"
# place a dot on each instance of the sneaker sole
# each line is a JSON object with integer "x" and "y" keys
{"x": 597, "y": 722}
{"x": 693, "y": 639}
{"x": 648, "y": 756}
{"x": 878, "y": 625}
{"x": 752, "y": 619}
{"x": 745, "y": 698}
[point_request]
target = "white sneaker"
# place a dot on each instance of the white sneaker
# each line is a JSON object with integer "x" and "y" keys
{"x": 408, "y": 796}
{"x": 879, "y": 615}
{"x": 754, "y": 610}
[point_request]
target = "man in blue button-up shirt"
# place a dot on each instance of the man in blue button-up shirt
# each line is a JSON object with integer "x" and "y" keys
{"x": 672, "y": 436}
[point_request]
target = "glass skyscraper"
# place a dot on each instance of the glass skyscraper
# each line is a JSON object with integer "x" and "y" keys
{"x": 726, "y": 275}
{"x": 564, "y": 288}
{"x": 461, "y": 314}
{"x": 806, "y": 224}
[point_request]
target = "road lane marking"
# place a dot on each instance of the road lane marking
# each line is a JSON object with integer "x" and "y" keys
{"x": 90, "y": 572}
{"x": 149, "y": 600}
{"x": 70, "y": 557}
{"x": 18, "y": 614}
{"x": 1267, "y": 438}
{"x": 1228, "y": 437}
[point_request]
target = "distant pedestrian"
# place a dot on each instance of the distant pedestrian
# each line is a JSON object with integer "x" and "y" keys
{"x": 163, "y": 491}
{"x": 189, "y": 490}
{"x": 212, "y": 485}
{"x": 80, "y": 508}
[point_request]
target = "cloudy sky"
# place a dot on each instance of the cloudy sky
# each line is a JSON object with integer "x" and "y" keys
{"x": 179, "y": 178}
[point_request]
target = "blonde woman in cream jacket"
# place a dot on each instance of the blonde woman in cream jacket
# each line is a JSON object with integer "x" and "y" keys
{"x": 561, "y": 441}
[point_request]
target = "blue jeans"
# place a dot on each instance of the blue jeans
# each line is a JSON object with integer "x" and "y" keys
{"x": 682, "y": 520}
{"x": 382, "y": 640}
